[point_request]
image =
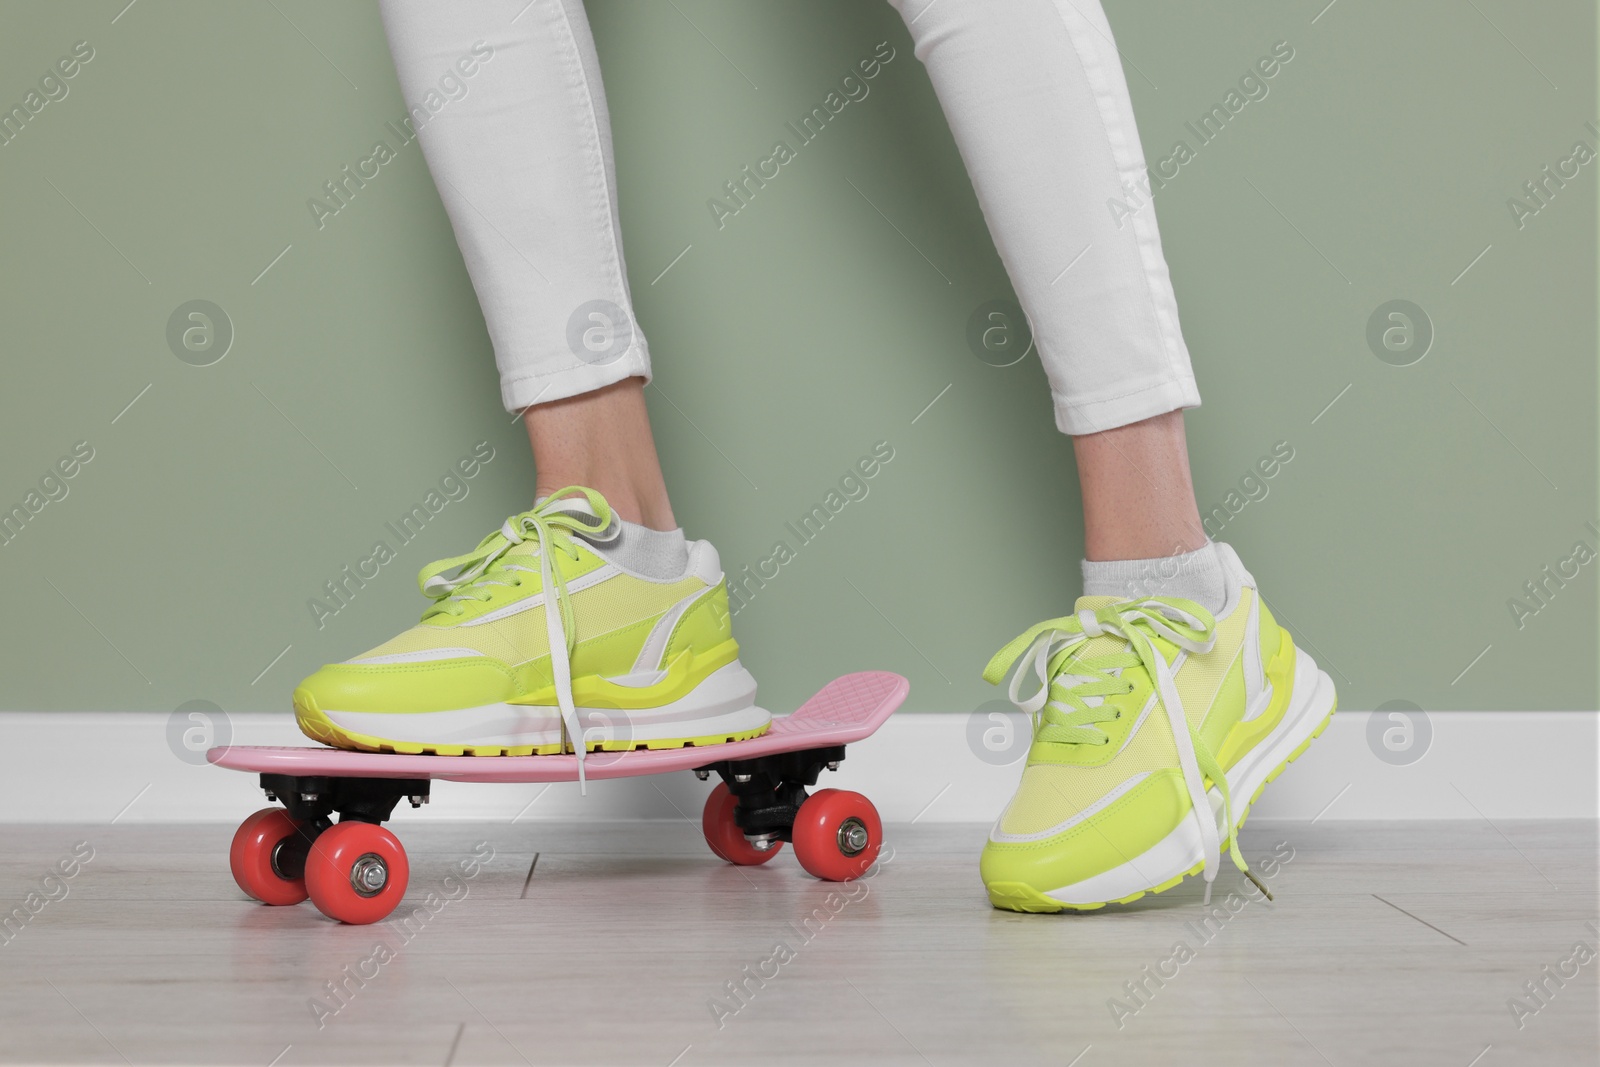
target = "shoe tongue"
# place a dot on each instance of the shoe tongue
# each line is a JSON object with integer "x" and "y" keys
{"x": 579, "y": 506}
{"x": 1105, "y": 644}
{"x": 567, "y": 505}
{"x": 526, "y": 548}
{"x": 571, "y": 505}
{"x": 1110, "y": 644}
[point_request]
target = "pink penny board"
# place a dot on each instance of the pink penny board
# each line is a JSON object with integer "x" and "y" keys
{"x": 847, "y": 709}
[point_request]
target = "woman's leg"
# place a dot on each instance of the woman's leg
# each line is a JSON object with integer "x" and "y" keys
{"x": 1034, "y": 93}
{"x": 511, "y": 114}
{"x": 1146, "y": 705}
{"x": 563, "y": 630}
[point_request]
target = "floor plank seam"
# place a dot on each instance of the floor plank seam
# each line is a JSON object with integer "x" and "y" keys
{"x": 1424, "y": 922}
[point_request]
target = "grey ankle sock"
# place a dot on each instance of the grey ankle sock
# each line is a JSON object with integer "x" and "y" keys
{"x": 658, "y": 554}
{"x": 1194, "y": 576}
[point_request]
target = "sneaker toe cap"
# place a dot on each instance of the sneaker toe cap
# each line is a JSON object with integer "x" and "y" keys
{"x": 1088, "y": 845}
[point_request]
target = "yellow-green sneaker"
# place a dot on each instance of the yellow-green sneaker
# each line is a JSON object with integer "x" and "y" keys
{"x": 1156, "y": 725}
{"x": 543, "y": 640}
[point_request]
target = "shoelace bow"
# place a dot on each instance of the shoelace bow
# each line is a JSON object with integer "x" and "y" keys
{"x": 449, "y": 583}
{"x": 1069, "y": 701}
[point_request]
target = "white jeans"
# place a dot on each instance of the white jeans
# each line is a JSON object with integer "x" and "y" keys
{"x": 512, "y": 120}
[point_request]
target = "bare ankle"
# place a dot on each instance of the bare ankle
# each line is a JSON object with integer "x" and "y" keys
{"x": 602, "y": 440}
{"x": 1138, "y": 499}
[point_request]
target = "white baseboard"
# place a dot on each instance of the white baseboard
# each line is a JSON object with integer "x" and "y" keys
{"x": 95, "y": 767}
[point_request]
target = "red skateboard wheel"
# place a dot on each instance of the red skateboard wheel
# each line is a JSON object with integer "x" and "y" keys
{"x": 723, "y": 833}
{"x": 251, "y": 855}
{"x": 837, "y": 834}
{"x": 356, "y": 872}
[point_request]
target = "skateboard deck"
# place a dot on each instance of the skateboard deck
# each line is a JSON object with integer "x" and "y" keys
{"x": 355, "y": 870}
{"x": 847, "y": 709}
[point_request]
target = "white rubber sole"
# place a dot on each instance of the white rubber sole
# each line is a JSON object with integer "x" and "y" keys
{"x": 1176, "y": 854}
{"x": 723, "y": 704}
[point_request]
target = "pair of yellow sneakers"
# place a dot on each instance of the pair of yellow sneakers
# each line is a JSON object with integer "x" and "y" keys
{"x": 1155, "y": 722}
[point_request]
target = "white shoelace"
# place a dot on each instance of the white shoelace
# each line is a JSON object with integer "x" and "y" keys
{"x": 449, "y": 580}
{"x": 1190, "y": 632}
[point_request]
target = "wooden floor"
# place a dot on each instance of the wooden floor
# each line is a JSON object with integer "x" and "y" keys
{"x": 628, "y": 943}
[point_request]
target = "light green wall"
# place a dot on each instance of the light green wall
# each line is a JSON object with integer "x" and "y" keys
{"x": 790, "y": 342}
